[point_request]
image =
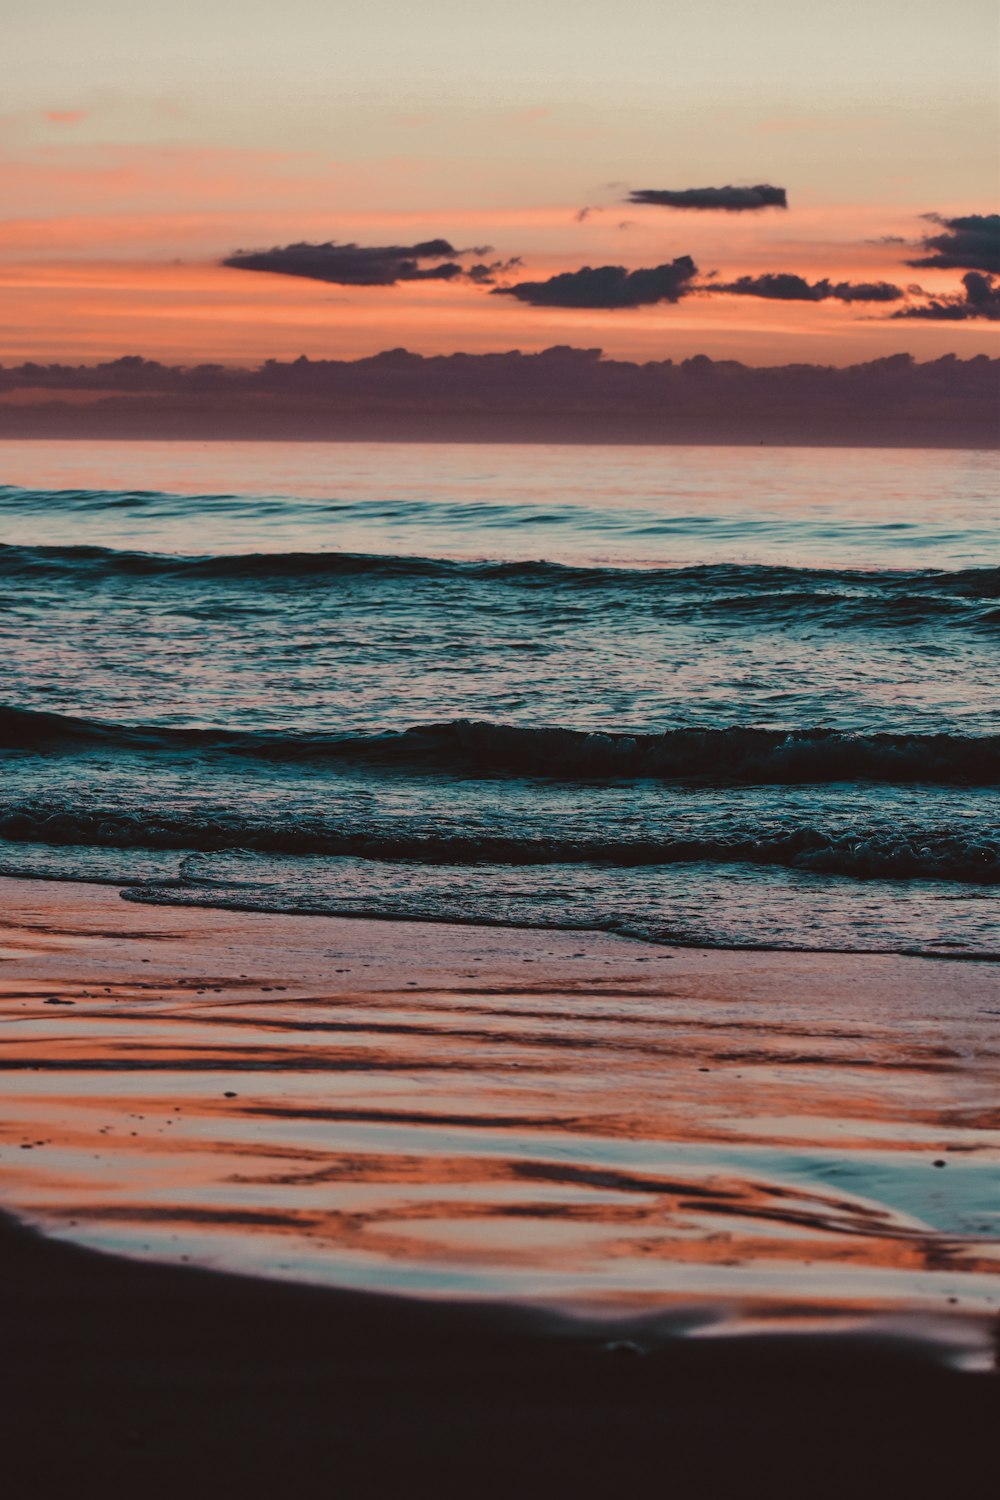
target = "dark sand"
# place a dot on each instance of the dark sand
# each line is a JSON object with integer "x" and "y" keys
{"x": 138, "y": 1378}
{"x": 127, "y": 1378}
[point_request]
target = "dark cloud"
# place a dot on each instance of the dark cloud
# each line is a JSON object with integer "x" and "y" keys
{"x": 969, "y": 243}
{"x": 731, "y": 199}
{"x": 559, "y": 395}
{"x": 981, "y": 299}
{"x": 607, "y": 286}
{"x": 485, "y": 274}
{"x": 783, "y": 286}
{"x": 369, "y": 265}
{"x": 887, "y": 239}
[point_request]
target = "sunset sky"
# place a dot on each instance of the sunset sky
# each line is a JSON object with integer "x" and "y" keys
{"x": 141, "y": 148}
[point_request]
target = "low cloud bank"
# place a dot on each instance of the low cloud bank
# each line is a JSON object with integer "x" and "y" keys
{"x": 562, "y": 395}
{"x": 730, "y": 199}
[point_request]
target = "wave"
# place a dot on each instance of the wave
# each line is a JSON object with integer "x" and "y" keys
{"x": 750, "y": 578}
{"x": 754, "y": 595}
{"x": 637, "y": 929}
{"x": 472, "y": 747}
{"x": 874, "y": 854}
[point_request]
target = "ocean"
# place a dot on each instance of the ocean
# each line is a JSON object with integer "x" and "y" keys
{"x": 734, "y": 697}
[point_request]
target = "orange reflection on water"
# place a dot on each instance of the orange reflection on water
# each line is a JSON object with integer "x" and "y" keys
{"x": 561, "y": 1140}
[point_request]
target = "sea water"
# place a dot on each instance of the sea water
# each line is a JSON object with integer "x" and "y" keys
{"x": 729, "y": 697}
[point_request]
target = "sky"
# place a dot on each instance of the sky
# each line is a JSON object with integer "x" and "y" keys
{"x": 140, "y": 149}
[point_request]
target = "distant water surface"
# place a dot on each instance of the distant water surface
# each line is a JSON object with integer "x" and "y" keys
{"x": 634, "y": 506}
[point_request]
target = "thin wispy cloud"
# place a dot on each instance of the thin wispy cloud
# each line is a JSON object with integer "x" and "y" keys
{"x": 728, "y": 199}
{"x": 785, "y": 286}
{"x": 370, "y": 265}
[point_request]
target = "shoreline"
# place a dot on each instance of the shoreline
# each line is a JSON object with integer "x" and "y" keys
{"x": 141, "y": 893}
{"x": 136, "y": 892}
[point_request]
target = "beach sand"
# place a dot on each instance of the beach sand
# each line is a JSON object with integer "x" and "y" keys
{"x": 709, "y": 1221}
{"x": 124, "y": 1378}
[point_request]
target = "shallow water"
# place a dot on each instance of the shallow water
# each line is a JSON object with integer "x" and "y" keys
{"x": 730, "y": 697}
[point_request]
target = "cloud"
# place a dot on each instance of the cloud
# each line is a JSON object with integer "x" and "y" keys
{"x": 65, "y": 116}
{"x": 369, "y": 265}
{"x": 970, "y": 242}
{"x": 560, "y": 395}
{"x": 783, "y": 286}
{"x": 730, "y": 199}
{"x": 607, "y": 286}
{"x": 485, "y": 274}
{"x": 980, "y": 300}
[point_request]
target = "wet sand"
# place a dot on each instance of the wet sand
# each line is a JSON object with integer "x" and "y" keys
{"x": 546, "y": 1145}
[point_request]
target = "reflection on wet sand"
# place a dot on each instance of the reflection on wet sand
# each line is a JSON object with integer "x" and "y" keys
{"x": 687, "y": 1131}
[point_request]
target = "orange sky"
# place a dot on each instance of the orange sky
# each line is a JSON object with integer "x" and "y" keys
{"x": 84, "y": 311}
{"x": 128, "y": 173}
{"x": 94, "y": 281}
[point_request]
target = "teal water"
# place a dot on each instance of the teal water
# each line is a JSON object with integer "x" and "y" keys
{"x": 731, "y": 697}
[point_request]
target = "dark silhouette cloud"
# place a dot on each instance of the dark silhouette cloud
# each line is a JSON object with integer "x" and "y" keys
{"x": 559, "y": 395}
{"x": 981, "y": 299}
{"x": 607, "y": 286}
{"x": 369, "y": 265}
{"x": 784, "y": 286}
{"x": 486, "y": 274}
{"x": 968, "y": 243}
{"x": 730, "y": 199}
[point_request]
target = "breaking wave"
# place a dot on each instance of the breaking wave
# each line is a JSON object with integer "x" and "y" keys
{"x": 472, "y": 747}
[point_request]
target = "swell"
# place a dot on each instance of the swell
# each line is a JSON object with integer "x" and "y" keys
{"x": 80, "y": 562}
{"x": 731, "y": 754}
{"x": 867, "y": 854}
